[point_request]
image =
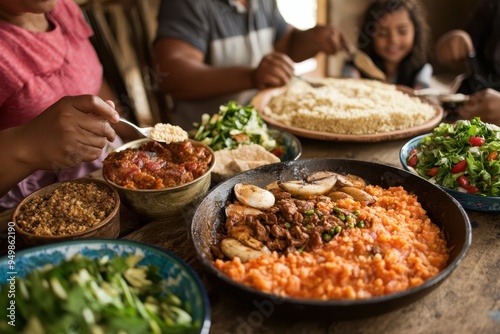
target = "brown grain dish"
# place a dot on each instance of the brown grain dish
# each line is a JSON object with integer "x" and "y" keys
{"x": 71, "y": 208}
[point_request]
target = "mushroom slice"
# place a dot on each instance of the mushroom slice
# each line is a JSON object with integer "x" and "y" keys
{"x": 242, "y": 233}
{"x": 307, "y": 189}
{"x": 254, "y": 196}
{"x": 272, "y": 185}
{"x": 358, "y": 195}
{"x": 320, "y": 175}
{"x": 336, "y": 195}
{"x": 351, "y": 180}
{"x": 233, "y": 248}
{"x": 236, "y": 210}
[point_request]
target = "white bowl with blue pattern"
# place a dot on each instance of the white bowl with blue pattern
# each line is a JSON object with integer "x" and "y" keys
{"x": 183, "y": 280}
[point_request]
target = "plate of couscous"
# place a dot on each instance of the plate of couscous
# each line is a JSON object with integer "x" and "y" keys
{"x": 357, "y": 110}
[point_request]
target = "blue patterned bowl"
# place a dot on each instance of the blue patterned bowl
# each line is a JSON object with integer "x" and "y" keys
{"x": 184, "y": 282}
{"x": 468, "y": 201}
{"x": 291, "y": 143}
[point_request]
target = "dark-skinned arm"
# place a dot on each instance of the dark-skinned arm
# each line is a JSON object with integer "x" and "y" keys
{"x": 300, "y": 45}
{"x": 183, "y": 73}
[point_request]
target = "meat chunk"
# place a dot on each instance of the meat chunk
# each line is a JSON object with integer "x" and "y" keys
{"x": 315, "y": 241}
{"x": 287, "y": 209}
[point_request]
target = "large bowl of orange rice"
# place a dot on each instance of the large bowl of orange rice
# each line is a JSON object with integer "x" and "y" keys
{"x": 402, "y": 245}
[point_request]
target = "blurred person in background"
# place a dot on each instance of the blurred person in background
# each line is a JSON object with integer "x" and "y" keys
{"x": 484, "y": 104}
{"x": 53, "y": 125}
{"x": 395, "y": 35}
{"x": 476, "y": 52}
{"x": 210, "y": 52}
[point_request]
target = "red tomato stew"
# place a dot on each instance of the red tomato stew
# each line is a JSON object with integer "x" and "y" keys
{"x": 156, "y": 165}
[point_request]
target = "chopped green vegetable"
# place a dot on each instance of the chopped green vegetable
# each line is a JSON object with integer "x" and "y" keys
{"x": 97, "y": 296}
{"x": 464, "y": 155}
{"x": 232, "y": 126}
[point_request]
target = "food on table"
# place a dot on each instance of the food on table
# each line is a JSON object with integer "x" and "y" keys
{"x": 232, "y": 129}
{"x": 106, "y": 295}
{"x": 461, "y": 156}
{"x": 168, "y": 133}
{"x": 233, "y": 126}
{"x": 312, "y": 243}
{"x": 71, "y": 208}
{"x": 348, "y": 106}
{"x": 244, "y": 157}
{"x": 156, "y": 165}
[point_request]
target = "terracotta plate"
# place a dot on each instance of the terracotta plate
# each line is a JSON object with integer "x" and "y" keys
{"x": 261, "y": 100}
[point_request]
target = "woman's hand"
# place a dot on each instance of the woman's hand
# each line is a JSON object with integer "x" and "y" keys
{"x": 73, "y": 130}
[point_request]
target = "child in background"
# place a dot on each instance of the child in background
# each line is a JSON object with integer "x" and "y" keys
{"x": 395, "y": 35}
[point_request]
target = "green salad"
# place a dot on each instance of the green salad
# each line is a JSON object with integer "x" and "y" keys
{"x": 97, "y": 296}
{"x": 461, "y": 156}
{"x": 235, "y": 125}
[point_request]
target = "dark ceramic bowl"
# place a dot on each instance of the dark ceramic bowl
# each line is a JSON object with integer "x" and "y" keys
{"x": 291, "y": 142}
{"x": 468, "y": 201}
{"x": 441, "y": 208}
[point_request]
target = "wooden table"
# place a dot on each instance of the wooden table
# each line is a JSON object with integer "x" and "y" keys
{"x": 467, "y": 302}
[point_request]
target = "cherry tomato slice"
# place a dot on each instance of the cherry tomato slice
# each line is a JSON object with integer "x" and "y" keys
{"x": 433, "y": 171}
{"x": 412, "y": 161}
{"x": 459, "y": 167}
{"x": 492, "y": 156}
{"x": 472, "y": 189}
{"x": 476, "y": 141}
{"x": 278, "y": 151}
{"x": 463, "y": 181}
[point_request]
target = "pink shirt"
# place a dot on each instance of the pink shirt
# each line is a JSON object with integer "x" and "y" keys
{"x": 36, "y": 70}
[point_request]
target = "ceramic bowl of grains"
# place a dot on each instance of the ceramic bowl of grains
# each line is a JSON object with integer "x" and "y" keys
{"x": 338, "y": 238}
{"x": 81, "y": 208}
{"x": 160, "y": 180}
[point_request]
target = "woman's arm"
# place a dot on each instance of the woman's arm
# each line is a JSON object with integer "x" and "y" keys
{"x": 73, "y": 130}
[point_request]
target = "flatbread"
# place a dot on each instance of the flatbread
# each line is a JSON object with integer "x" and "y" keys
{"x": 245, "y": 157}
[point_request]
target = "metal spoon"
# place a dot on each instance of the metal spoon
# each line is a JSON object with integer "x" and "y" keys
{"x": 313, "y": 84}
{"x": 146, "y": 132}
